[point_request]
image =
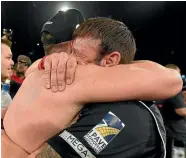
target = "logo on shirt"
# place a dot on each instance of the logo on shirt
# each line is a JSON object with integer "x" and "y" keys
{"x": 104, "y": 132}
{"x": 76, "y": 145}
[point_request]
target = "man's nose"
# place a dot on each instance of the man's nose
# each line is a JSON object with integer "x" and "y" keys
{"x": 12, "y": 62}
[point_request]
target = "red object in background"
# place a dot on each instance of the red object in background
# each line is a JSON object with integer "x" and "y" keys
{"x": 17, "y": 79}
{"x": 159, "y": 106}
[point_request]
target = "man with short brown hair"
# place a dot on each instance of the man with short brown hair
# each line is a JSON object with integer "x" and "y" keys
{"x": 113, "y": 36}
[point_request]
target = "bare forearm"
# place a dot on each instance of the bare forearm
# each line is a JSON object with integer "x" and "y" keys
{"x": 10, "y": 149}
{"x": 128, "y": 82}
{"x": 170, "y": 79}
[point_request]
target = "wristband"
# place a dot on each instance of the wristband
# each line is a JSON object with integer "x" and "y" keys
{"x": 41, "y": 63}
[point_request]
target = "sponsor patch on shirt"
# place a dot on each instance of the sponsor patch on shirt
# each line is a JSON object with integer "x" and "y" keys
{"x": 104, "y": 132}
{"x": 76, "y": 145}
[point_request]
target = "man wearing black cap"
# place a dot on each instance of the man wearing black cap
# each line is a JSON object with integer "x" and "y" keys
{"x": 62, "y": 25}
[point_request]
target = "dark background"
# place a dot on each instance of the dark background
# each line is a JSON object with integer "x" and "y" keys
{"x": 159, "y": 27}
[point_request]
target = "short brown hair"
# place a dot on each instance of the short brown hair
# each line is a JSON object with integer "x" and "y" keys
{"x": 58, "y": 48}
{"x": 114, "y": 36}
{"x": 172, "y": 66}
{"x": 7, "y": 42}
{"x": 45, "y": 36}
{"x": 55, "y": 48}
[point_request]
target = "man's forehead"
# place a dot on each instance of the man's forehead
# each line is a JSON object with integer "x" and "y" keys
{"x": 7, "y": 51}
{"x": 10, "y": 53}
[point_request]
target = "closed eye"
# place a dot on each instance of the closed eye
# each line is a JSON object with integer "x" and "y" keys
{"x": 9, "y": 56}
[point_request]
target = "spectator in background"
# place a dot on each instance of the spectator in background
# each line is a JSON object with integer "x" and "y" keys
{"x": 6, "y": 64}
{"x": 18, "y": 74}
{"x": 174, "y": 115}
{"x": 23, "y": 62}
{"x": 6, "y": 59}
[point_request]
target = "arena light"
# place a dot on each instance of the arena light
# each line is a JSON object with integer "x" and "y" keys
{"x": 77, "y": 26}
{"x": 64, "y": 8}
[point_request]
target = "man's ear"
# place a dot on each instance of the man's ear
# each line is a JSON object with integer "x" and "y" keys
{"x": 111, "y": 59}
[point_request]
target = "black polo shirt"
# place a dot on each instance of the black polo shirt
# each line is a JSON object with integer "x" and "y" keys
{"x": 110, "y": 130}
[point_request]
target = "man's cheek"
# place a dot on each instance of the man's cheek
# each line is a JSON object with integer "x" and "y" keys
{"x": 25, "y": 68}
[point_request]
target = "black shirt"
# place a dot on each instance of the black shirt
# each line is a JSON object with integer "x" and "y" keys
{"x": 110, "y": 130}
{"x": 14, "y": 87}
{"x": 174, "y": 123}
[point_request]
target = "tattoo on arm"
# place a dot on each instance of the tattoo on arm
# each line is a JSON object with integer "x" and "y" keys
{"x": 48, "y": 152}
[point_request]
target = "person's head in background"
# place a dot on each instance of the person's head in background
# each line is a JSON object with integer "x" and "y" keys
{"x": 6, "y": 59}
{"x": 173, "y": 66}
{"x": 23, "y": 62}
{"x": 102, "y": 41}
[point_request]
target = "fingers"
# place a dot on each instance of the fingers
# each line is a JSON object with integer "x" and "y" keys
{"x": 55, "y": 61}
{"x": 50, "y": 72}
{"x": 71, "y": 69}
{"x": 61, "y": 71}
{"x": 47, "y": 71}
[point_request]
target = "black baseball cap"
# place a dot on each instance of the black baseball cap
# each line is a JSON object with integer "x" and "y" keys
{"x": 62, "y": 25}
